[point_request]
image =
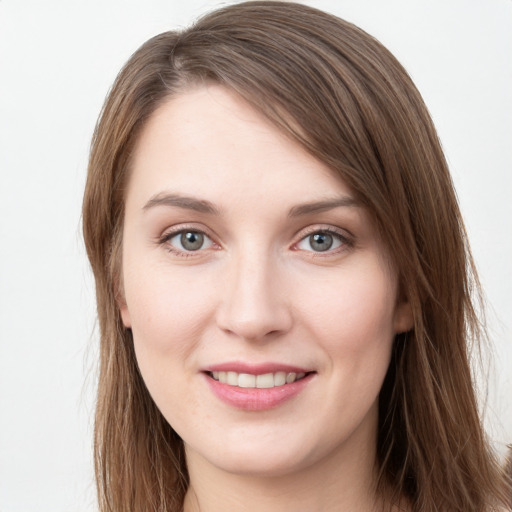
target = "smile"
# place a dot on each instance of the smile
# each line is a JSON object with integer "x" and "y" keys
{"x": 262, "y": 381}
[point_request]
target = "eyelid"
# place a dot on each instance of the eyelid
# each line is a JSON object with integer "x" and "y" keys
{"x": 343, "y": 235}
{"x": 178, "y": 229}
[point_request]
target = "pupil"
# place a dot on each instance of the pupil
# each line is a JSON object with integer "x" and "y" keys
{"x": 321, "y": 241}
{"x": 192, "y": 241}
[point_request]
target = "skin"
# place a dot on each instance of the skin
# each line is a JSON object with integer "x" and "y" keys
{"x": 256, "y": 291}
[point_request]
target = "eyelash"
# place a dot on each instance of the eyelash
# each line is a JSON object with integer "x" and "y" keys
{"x": 345, "y": 242}
{"x": 169, "y": 235}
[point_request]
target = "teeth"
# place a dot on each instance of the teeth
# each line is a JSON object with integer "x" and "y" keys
{"x": 265, "y": 381}
{"x": 245, "y": 380}
{"x": 279, "y": 379}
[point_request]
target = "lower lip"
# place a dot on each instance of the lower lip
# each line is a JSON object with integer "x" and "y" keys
{"x": 256, "y": 399}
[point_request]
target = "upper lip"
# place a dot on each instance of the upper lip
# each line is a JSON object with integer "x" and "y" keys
{"x": 255, "y": 369}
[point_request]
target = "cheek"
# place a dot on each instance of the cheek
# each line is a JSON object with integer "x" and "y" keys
{"x": 168, "y": 308}
{"x": 166, "y": 326}
{"x": 352, "y": 319}
{"x": 358, "y": 306}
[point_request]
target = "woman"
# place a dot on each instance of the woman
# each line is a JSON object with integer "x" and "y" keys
{"x": 283, "y": 279}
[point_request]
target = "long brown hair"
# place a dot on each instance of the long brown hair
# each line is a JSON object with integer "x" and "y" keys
{"x": 339, "y": 93}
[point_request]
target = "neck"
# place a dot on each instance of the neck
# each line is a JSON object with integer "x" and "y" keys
{"x": 343, "y": 480}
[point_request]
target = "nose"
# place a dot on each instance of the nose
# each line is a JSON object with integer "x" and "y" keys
{"x": 254, "y": 305}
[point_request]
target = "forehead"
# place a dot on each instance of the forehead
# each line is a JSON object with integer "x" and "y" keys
{"x": 211, "y": 142}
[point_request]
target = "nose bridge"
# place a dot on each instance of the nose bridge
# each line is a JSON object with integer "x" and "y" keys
{"x": 254, "y": 304}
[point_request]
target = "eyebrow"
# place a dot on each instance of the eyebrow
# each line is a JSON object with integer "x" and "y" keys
{"x": 322, "y": 206}
{"x": 186, "y": 202}
{"x": 204, "y": 206}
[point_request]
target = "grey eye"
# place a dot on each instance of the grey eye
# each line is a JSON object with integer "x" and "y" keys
{"x": 321, "y": 241}
{"x": 188, "y": 241}
{"x": 191, "y": 240}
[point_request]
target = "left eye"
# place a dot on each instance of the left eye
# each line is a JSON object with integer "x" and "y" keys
{"x": 189, "y": 241}
{"x": 320, "y": 241}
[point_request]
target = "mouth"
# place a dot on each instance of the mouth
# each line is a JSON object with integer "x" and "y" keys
{"x": 257, "y": 387}
{"x": 258, "y": 381}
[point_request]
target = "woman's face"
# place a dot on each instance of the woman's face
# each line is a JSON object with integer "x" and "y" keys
{"x": 262, "y": 302}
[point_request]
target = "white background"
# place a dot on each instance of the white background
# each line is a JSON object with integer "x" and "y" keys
{"x": 57, "y": 61}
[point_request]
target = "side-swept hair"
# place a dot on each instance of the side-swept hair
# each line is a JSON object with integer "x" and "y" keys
{"x": 341, "y": 95}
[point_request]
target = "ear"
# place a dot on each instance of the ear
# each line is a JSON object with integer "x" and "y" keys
{"x": 125, "y": 315}
{"x": 403, "y": 319}
{"x": 121, "y": 303}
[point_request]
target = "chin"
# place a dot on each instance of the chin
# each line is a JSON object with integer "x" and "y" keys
{"x": 260, "y": 457}
{"x": 260, "y": 465}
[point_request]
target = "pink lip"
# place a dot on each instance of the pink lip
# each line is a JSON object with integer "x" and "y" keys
{"x": 255, "y": 399}
{"x": 254, "y": 369}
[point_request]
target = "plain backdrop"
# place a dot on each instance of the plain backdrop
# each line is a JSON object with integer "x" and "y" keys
{"x": 57, "y": 61}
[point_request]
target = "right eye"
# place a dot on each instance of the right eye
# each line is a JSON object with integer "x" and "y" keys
{"x": 187, "y": 240}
